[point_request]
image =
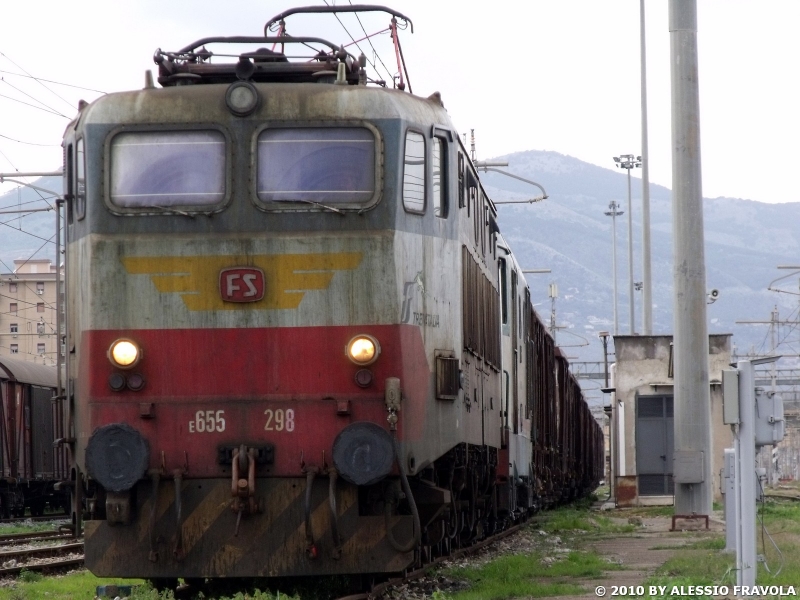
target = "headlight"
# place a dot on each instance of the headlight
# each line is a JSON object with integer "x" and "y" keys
{"x": 363, "y": 350}
{"x": 124, "y": 354}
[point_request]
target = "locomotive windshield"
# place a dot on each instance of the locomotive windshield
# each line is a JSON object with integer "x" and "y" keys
{"x": 331, "y": 165}
{"x": 181, "y": 168}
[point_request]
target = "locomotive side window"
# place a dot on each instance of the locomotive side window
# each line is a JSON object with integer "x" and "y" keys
{"x": 70, "y": 180}
{"x": 414, "y": 173}
{"x": 151, "y": 169}
{"x": 80, "y": 181}
{"x": 439, "y": 178}
{"x": 316, "y": 164}
{"x": 461, "y": 184}
{"x": 503, "y": 290}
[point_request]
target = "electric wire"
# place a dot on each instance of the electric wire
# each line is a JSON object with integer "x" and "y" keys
{"x": 38, "y": 237}
{"x": 26, "y": 94}
{"x": 18, "y": 301}
{"x": 34, "y": 106}
{"x": 77, "y": 87}
{"x": 30, "y": 143}
{"x": 28, "y": 202}
{"x": 36, "y": 251}
{"x": 36, "y": 79}
{"x": 8, "y": 160}
{"x": 764, "y": 531}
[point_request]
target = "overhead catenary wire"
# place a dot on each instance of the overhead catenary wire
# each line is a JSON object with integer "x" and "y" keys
{"x": 26, "y": 94}
{"x": 34, "y": 106}
{"x": 29, "y": 143}
{"x": 37, "y": 80}
{"x": 38, "y": 237}
{"x": 18, "y": 301}
{"x": 77, "y": 87}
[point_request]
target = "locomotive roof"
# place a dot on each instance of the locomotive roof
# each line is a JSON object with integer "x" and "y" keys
{"x": 276, "y": 58}
{"x": 27, "y": 372}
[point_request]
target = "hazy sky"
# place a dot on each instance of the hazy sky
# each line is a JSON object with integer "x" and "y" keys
{"x": 535, "y": 74}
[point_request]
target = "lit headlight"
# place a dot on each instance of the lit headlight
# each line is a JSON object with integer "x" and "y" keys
{"x": 124, "y": 354}
{"x": 363, "y": 350}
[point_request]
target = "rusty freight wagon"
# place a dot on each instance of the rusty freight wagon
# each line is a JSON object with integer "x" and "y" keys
{"x": 30, "y": 421}
{"x": 297, "y": 341}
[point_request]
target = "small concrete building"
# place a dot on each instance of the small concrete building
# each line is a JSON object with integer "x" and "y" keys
{"x": 642, "y": 417}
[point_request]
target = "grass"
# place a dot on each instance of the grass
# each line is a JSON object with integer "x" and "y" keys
{"x": 74, "y": 586}
{"x": 521, "y": 575}
{"x": 577, "y": 518}
{"x": 28, "y": 526}
{"x": 781, "y": 522}
{"x": 81, "y": 585}
{"x": 705, "y": 563}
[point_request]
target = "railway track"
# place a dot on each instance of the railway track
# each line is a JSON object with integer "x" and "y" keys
{"x": 42, "y": 558}
{"x": 33, "y": 536}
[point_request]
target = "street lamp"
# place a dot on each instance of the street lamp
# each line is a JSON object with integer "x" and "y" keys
{"x": 628, "y": 162}
{"x": 614, "y": 213}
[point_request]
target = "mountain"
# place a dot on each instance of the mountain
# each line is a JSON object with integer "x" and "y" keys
{"x": 28, "y": 235}
{"x": 569, "y": 233}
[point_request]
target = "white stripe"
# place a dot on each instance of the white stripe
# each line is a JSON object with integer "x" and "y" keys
{"x": 315, "y": 191}
{"x": 168, "y": 194}
{"x": 315, "y": 141}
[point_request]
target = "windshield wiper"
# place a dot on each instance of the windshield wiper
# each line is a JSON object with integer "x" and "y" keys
{"x": 173, "y": 211}
{"x": 325, "y": 206}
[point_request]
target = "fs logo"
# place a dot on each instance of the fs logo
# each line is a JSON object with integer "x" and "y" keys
{"x": 242, "y": 284}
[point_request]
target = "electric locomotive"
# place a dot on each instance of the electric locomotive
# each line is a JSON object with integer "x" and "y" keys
{"x": 297, "y": 343}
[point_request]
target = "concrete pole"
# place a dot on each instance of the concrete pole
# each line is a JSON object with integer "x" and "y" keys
{"x": 692, "y": 425}
{"x": 614, "y": 213}
{"x": 614, "y": 263}
{"x": 630, "y": 258}
{"x": 647, "y": 284}
{"x": 745, "y": 445}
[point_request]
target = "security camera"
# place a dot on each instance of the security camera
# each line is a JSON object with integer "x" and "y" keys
{"x": 713, "y": 295}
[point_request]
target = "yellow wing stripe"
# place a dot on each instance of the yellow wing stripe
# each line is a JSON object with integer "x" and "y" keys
{"x": 196, "y": 278}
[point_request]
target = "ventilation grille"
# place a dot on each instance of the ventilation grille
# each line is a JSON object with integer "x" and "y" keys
{"x": 656, "y": 485}
{"x": 447, "y": 377}
{"x": 651, "y": 407}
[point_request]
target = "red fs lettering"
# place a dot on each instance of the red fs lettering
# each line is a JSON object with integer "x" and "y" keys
{"x": 242, "y": 284}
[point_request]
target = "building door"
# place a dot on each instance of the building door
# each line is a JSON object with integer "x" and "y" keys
{"x": 654, "y": 445}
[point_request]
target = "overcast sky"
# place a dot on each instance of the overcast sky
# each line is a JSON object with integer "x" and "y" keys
{"x": 535, "y": 74}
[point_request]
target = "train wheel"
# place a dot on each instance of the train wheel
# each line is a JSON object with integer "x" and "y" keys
{"x": 37, "y": 507}
{"x": 162, "y": 584}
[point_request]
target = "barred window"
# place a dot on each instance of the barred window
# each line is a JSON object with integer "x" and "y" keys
{"x": 439, "y": 178}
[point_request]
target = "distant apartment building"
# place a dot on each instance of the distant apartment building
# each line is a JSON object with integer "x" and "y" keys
{"x": 28, "y": 311}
